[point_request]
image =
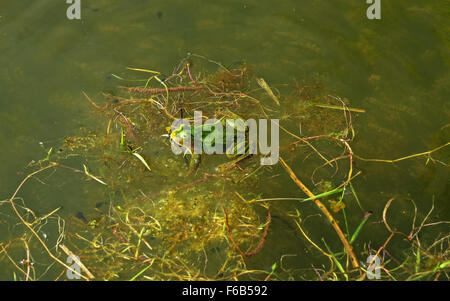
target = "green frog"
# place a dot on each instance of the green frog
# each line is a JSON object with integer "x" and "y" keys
{"x": 211, "y": 140}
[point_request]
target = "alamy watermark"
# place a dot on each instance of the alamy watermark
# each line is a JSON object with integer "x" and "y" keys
{"x": 73, "y": 12}
{"x": 373, "y": 12}
{"x": 374, "y": 9}
{"x": 374, "y": 267}
{"x": 230, "y": 136}
{"x": 74, "y": 271}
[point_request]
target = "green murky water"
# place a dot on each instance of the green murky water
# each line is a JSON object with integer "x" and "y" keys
{"x": 396, "y": 69}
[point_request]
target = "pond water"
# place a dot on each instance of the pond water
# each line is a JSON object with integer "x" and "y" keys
{"x": 396, "y": 69}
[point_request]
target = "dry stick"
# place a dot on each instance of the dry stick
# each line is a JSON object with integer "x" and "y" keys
{"x": 11, "y": 200}
{"x": 378, "y": 253}
{"x": 77, "y": 260}
{"x": 27, "y": 261}
{"x": 325, "y": 211}
{"x": 91, "y": 101}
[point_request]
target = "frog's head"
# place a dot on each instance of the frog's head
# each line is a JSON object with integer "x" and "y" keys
{"x": 181, "y": 135}
{"x": 168, "y": 132}
{"x": 176, "y": 134}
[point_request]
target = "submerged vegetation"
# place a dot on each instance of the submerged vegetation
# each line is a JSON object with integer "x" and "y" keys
{"x": 159, "y": 216}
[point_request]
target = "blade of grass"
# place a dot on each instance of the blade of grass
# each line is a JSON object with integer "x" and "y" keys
{"x": 417, "y": 260}
{"x": 436, "y": 269}
{"x": 327, "y": 193}
{"x": 143, "y": 70}
{"x": 122, "y": 142}
{"x": 49, "y": 153}
{"x": 165, "y": 86}
{"x": 338, "y": 264}
{"x": 130, "y": 80}
{"x": 356, "y": 196}
{"x": 343, "y": 212}
{"x": 92, "y": 176}
{"x": 361, "y": 225}
{"x": 142, "y": 160}
{"x": 340, "y": 108}
{"x": 139, "y": 243}
{"x": 143, "y": 270}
